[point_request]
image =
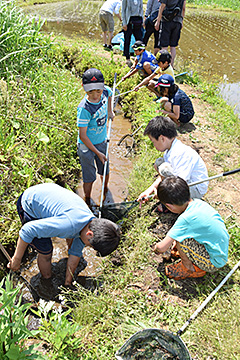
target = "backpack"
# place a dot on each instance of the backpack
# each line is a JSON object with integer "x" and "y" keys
{"x": 170, "y": 13}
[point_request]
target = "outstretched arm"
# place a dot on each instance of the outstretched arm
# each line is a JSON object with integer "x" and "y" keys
{"x": 145, "y": 81}
{"x": 164, "y": 245}
{"x": 15, "y": 262}
{"x": 152, "y": 189}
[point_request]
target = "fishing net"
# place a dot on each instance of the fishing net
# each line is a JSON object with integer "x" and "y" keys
{"x": 117, "y": 211}
{"x": 153, "y": 344}
{"x": 127, "y": 143}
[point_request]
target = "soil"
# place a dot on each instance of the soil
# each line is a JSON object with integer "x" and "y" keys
{"x": 222, "y": 194}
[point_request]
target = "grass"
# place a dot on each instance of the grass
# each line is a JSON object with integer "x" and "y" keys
{"x": 229, "y": 4}
{"x": 37, "y": 112}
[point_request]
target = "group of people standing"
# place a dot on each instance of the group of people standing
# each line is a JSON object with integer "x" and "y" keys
{"x": 162, "y": 18}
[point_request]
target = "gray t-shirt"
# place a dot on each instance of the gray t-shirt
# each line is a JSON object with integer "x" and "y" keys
{"x": 171, "y": 4}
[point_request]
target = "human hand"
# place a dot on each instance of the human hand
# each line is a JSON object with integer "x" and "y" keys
{"x": 157, "y": 25}
{"x": 14, "y": 264}
{"x": 163, "y": 99}
{"x": 102, "y": 157}
{"x": 136, "y": 88}
{"x": 124, "y": 27}
{"x": 156, "y": 250}
{"x": 144, "y": 196}
{"x": 111, "y": 115}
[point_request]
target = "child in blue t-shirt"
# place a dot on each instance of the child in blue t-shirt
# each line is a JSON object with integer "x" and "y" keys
{"x": 92, "y": 115}
{"x": 145, "y": 62}
{"x": 199, "y": 236}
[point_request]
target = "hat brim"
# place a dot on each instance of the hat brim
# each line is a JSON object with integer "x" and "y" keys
{"x": 93, "y": 86}
{"x": 162, "y": 84}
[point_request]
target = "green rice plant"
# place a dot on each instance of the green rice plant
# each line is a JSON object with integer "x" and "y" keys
{"x": 229, "y": 4}
{"x": 22, "y": 46}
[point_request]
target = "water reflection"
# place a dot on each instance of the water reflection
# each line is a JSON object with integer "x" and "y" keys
{"x": 209, "y": 42}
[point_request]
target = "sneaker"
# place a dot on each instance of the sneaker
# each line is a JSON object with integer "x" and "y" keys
{"x": 105, "y": 45}
{"x": 110, "y": 47}
{"x": 128, "y": 62}
{"x": 179, "y": 272}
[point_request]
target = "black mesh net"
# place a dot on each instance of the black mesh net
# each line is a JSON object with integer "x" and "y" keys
{"x": 117, "y": 211}
{"x": 153, "y": 344}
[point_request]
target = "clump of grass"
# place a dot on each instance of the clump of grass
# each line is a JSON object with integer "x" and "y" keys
{"x": 23, "y": 47}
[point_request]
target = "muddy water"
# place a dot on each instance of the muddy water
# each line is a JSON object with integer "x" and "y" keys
{"x": 209, "y": 39}
{"x": 209, "y": 44}
{"x": 90, "y": 265}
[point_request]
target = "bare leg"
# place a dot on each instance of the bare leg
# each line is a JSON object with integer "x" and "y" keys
{"x": 110, "y": 36}
{"x": 45, "y": 265}
{"x": 147, "y": 68}
{"x": 72, "y": 264}
{"x": 105, "y": 37}
{"x": 173, "y": 53}
{"x": 87, "y": 188}
{"x": 185, "y": 260}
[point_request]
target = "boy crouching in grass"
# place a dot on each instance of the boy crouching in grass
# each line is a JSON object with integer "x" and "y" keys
{"x": 199, "y": 232}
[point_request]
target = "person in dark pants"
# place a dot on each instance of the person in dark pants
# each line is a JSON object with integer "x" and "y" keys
{"x": 151, "y": 15}
{"x": 170, "y": 31}
{"x": 132, "y": 17}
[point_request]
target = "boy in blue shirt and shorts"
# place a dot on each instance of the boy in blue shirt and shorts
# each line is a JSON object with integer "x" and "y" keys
{"x": 92, "y": 115}
{"x": 49, "y": 210}
{"x": 199, "y": 233}
{"x": 145, "y": 62}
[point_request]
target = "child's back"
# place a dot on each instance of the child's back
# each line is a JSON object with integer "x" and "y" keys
{"x": 187, "y": 164}
{"x": 203, "y": 223}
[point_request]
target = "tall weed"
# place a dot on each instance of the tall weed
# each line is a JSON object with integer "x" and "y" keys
{"x": 22, "y": 46}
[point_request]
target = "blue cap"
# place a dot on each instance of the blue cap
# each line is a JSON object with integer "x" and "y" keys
{"x": 165, "y": 80}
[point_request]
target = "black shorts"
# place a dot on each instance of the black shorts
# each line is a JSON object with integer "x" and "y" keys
{"x": 169, "y": 33}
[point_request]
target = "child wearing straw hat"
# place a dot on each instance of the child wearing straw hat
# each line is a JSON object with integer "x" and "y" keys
{"x": 92, "y": 115}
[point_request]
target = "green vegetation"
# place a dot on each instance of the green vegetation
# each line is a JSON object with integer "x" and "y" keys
{"x": 13, "y": 324}
{"x": 219, "y": 4}
{"x": 229, "y": 4}
{"x": 39, "y": 93}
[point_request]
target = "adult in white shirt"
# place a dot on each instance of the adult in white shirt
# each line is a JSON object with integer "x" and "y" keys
{"x": 107, "y": 21}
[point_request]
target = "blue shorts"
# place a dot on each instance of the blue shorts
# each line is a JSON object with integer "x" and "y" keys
{"x": 43, "y": 245}
{"x": 89, "y": 161}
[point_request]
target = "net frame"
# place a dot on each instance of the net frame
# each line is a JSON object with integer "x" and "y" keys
{"x": 172, "y": 344}
{"x": 117, "y": 211}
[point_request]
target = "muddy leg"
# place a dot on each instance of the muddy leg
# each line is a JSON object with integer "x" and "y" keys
{"x": 72, "y": 264}
{"x": 45, "y": 265}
